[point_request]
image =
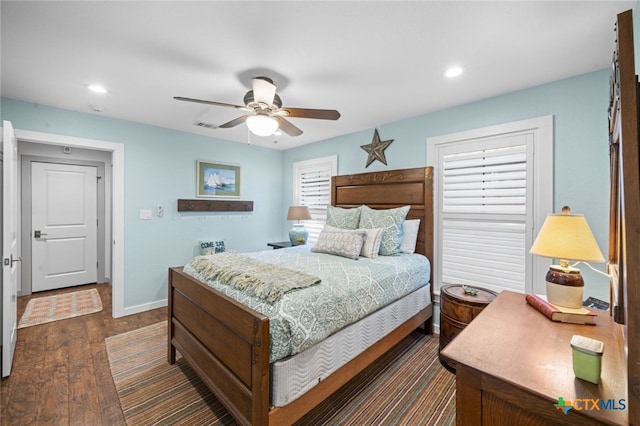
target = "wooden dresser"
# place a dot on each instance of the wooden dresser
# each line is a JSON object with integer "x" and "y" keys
{"x": 513, "y": 366}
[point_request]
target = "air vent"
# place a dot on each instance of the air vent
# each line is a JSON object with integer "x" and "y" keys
{"x": 205, "y": 125}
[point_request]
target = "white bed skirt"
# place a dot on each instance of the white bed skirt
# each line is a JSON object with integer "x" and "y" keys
{"x": 293, "y": 376}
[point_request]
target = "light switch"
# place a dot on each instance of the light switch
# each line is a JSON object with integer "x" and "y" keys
{"x": 145, "y": 214}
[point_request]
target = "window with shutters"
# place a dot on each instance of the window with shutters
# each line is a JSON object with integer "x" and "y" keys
{"x": 492, "y": 194}
{"x": 312, "y": 188}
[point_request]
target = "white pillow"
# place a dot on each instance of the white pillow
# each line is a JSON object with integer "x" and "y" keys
{"x": 211, "y": 247}
{"x": 372, "y": 239}
{"x": 409, "y": 235}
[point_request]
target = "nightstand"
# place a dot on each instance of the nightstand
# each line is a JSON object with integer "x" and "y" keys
{"x": 457, "y": 310}
{"x": 280, "y": 244}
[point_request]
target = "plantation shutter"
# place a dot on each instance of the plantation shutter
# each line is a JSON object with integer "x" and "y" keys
{"x": 312, "y": 188}
{"x": 486, "y": 215}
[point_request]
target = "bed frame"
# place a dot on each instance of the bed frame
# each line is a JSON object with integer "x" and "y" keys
{"x": 227, "y": 344}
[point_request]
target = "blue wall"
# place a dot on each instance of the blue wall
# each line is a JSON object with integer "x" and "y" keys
{"x": 581, "y": 169}
{"x": 160, "y": 168}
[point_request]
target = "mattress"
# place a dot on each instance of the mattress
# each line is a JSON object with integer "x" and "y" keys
{"x": 291, "y": 377}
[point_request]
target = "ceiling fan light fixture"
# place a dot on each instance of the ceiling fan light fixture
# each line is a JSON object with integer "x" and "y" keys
{"x": 262, "y": 125}
{"x": 265, "y": 114}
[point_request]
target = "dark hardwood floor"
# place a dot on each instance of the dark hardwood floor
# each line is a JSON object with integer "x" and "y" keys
{"x": 60, "y": 373}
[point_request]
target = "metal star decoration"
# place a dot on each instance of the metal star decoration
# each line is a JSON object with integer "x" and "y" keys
{"x": 376, "y": 149}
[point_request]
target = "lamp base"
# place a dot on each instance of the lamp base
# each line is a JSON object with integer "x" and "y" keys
{"x": 298, "y": 234}
{"x": 565, "y": 287}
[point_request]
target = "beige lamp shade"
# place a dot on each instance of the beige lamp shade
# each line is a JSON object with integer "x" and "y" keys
{"x": 298, "y": 213}
{"x": 567, "y": 236}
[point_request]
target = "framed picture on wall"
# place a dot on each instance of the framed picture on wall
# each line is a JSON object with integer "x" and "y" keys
{"x": 217, "y": 180}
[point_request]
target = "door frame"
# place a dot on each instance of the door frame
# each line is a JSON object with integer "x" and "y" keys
{"x": 25, "y": 232}
{"x": 10, "y": 275}
{"x": 117, "y": 200}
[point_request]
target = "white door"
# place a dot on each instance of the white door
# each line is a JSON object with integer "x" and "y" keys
{"x": 64, "y": 225}
{"x": 10, "y": 256}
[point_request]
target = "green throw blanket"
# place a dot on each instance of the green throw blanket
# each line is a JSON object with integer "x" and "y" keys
{"x": 257, "y": 278}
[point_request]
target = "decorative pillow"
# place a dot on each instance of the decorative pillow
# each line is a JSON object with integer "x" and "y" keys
{"x": 409, "y": 235}
{"x": 372, "y": 239}
{"x": 391, "y": 221}
{"x": 211, "y": 247}
{"x": 343, "y": 218}
{"x": 345, "y": 244}
{"x": 372, "y": 242}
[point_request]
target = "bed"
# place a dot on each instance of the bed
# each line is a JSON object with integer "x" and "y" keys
{"x": 227, "y": 343}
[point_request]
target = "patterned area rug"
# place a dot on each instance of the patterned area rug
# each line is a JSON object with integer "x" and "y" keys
{"x": 406, "y": 386}
{"x": 60, "y": 306}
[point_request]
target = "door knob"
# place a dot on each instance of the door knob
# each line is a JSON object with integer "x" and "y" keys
{"x": 38, "y": 234}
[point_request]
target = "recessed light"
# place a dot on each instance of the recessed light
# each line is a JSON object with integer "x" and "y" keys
{"x": 97, "y": 88}
{"x": 453, "y": 72}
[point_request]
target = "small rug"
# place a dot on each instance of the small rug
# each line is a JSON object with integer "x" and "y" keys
{"x": 60, "y": 306}
{"x": 405, "y": 386}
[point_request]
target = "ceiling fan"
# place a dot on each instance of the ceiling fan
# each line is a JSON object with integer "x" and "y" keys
{"x": 265, "y": 111}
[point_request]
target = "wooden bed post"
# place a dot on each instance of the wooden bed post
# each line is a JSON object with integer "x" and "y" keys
{"x": 428, "y": 237}
{"x": 260, "y": 373}
{"x": 171, "y": 350}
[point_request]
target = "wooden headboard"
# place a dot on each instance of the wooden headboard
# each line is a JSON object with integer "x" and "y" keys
{"x": 390, "y": 189}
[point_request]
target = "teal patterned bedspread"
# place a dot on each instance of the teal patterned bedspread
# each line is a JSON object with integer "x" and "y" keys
{"x": 349, "y": 290}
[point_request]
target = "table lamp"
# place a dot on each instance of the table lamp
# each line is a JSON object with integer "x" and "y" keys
{"x": 298, "y": 234}
{"x": 566, "y": 237}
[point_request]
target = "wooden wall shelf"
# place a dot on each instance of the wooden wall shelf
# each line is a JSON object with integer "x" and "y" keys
{"x": 215, "y": 206}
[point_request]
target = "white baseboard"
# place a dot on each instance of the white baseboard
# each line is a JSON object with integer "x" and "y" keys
{"x": 144, "y": 307}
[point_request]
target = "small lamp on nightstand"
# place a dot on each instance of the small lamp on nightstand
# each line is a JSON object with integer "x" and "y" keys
{"x": 566, "y": 237}
{"x": 298, "y": 234}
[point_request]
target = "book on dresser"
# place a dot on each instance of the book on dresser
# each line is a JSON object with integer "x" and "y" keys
{"x": 560, "y": 313}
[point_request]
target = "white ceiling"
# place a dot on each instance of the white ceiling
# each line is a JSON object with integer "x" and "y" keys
{"x": 374, "y": 61}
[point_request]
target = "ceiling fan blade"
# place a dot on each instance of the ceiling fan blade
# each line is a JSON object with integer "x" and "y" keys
{"x": 234, "y": 122}
{"x": 200, "y": 101}
{"x": 287, "y": 127}
{"x": 263, "y": 90}
{"x": 323, "y": 114}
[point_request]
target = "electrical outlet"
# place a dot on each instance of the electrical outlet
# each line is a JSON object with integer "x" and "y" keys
{"x": 159, "y": 210}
